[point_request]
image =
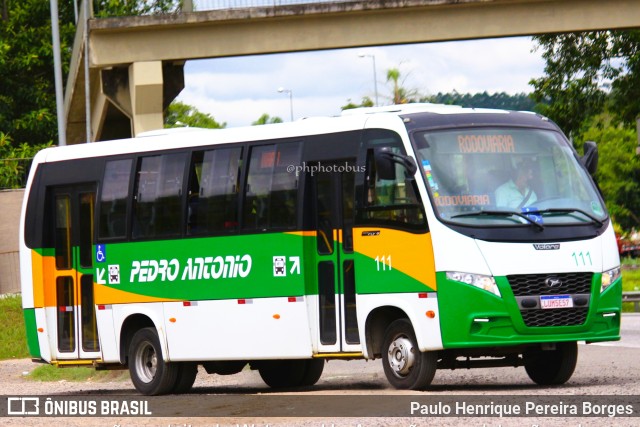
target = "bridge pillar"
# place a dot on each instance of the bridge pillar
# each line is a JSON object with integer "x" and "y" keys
{"x": 135, "y": 97}
{"x": 145, "y": 88}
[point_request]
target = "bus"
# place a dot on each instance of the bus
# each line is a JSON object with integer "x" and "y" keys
{"x": 390, "y": 233}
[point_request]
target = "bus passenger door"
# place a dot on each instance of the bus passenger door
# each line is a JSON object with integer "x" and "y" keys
{"x": 333, "y": 190}
{"x": 71, "y": 227}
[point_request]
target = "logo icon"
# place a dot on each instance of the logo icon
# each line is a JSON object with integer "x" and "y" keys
{"x": 546, "y": 246}
{"x": 279, "y": 266}
{"x": 23, "y": 406}
{"x": 553, "y": 282}
{"x": 114, "y": 274}
{"x": 101, "y": 253}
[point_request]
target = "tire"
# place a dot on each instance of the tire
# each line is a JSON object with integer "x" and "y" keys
{"x": 405, "y": 366}
{"x": 149, "y": 373}
{"x": 552, "y": 367}
{"x": 187, "y": 372}
{"x": 283, "y": 373}
{"x": 313, "y": 372}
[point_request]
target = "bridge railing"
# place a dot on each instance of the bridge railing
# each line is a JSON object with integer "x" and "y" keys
{"x": 204, "y": 5}
{"x": 634, "y": 297}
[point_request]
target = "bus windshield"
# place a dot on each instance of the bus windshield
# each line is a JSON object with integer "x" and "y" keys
{"x": 506, "y": 176}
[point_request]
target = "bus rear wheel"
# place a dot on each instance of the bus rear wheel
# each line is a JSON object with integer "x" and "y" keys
{"x": 149, "y": 373}
{"x": 313, "y": 371}
{"x": 405, "y": 366}
{"x": 552, "y": 367}
{"x": 291, "y": 373}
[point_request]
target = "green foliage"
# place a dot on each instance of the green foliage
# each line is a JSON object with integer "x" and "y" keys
{"x": 630, "y": 282}
{"x": 399, "y": 93}
{"x": 27, "y": 95}
{"x": 501, "y": 100}
{"x": 179, "y": 114}
{"x": 15, "y": 161}
{"x": 588, "y": 72}
{"x": 266, "y": 119}
{"x": 113, "y": 8}
{"x": 631, "y": 279}
{"x": 366, "y": 102}
{"x": 592, "y": 90}
{"x": 618, "y": 172}
{"x": 13, "y": 340}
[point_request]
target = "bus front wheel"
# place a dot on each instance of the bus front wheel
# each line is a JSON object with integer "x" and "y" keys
{"x": 405, "y": 366}
{"x": 552, "y": 367}
{"x": 186, "y": 376}
{"x": 149, "y": 372}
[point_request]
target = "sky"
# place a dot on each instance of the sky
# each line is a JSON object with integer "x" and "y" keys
{"x": 239, "y": 90}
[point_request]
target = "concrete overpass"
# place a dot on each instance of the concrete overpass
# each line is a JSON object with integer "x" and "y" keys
{"x": 136, "y": 63}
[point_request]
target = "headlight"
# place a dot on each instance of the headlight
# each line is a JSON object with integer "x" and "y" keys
{"x": 483, "y": 282}
{"x": 608, "y": 277}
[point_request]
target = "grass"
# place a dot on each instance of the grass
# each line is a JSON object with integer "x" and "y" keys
{"x": 13, "y": 339}
{"x": 13, "y": 345}
{"x": 80, "y": 374}
{"x": 630, "y": 280}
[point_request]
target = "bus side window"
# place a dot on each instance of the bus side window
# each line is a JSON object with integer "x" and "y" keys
{"x": 158, "y": 196}
{"x": 390, "y": 198}
{"x": 113, "y": 199}
{"x": 270, "y": 198}
{"x": 213, "y": 191}
{"x": 284, "y": 187}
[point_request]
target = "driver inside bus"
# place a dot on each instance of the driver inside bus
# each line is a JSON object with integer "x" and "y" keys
{"x": 517, "y": 192}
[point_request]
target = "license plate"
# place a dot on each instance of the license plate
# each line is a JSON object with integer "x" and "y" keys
{"x": 556, "y": 301}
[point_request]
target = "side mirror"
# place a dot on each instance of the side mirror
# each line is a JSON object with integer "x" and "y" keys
{"x": 386, "y": 161}
{"x": 590, "y": 157}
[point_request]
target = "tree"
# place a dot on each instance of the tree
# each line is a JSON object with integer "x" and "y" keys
{"x": 400, "y": 94}
{"x": 27, "y": 95}
{"x": 586, "y": 73}
{"x": 179, "y": 114}
{"x": 366, "y": 102}
{"x": 618, "y": 172}
{"x": 15, "y": 161}
{"x": 109, "y": 8}
{"x": 501, "y": 100}
{"x": 266, "y": 119}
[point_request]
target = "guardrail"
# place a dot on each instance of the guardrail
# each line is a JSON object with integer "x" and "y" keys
{"x": 634, "y": 297}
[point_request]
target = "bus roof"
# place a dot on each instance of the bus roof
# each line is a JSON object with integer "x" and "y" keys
{"x": 349, "y": 120}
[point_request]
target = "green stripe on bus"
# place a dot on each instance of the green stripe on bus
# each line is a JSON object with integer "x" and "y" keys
{"x": 228, "y": 267}
{"x": 32, "y": 332}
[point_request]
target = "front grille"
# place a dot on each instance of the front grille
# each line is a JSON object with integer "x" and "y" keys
{"x": 534, "y": 285}
{"x": 557, "y": 317}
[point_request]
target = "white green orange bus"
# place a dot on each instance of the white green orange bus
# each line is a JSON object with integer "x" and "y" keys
{"x": 389, "y": 233}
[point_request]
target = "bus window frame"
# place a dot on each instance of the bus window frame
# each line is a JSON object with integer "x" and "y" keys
{"x": 246, "y": 147}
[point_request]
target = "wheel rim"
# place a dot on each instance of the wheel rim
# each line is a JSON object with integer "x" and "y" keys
{"x": 401, "y": 356}
{"x": 146, "y": 362}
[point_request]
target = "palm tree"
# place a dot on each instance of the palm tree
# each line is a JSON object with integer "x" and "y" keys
{"x": 401, "y": 95}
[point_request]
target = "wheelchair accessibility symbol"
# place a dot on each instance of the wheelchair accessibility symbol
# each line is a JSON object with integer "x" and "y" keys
{"x": 101, "y": 253}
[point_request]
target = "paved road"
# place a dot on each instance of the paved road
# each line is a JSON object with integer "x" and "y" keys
{"x": 604, "y": 370}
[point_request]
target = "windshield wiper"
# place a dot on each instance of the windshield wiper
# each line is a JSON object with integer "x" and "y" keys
{"x": 569, "y": 210}
{"x": 504, "y": 213}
